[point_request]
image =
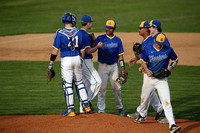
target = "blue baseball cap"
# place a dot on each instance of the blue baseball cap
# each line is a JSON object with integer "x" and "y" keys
{"x": 110, "y": 24}
{"x": 155, "y": 23}
{"x": 86, "y": 18}
{"x": 144, "y": 24}
{"x": 160, "y": 39}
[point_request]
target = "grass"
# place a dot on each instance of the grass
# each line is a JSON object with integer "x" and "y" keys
{"x": 24, "y": 90}
{"x": 36, "y": 16}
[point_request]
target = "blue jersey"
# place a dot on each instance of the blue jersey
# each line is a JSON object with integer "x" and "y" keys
{"x": 86, "y": 42}
{"x": 148, "y": 41}
{"x": 157, "y": 59}
{"x": 69, "y": 41}
{"x": 112, "y": 48}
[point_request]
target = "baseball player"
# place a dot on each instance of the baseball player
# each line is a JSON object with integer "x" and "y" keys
{"x": 154, "y": 100}
{"x": 155, "y": 58}
{"x": 155, "y": 28}
{"x": 108, "y": 56}
{"x": 69, "y": 41}
{"x": 90, "y": 75}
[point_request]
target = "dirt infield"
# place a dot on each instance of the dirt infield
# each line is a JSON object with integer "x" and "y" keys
{"x": 37, "y": 47}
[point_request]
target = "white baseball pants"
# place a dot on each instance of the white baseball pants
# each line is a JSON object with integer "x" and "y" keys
{"x": 91, "y": 80}
{"x": 109, "y": 72}
{"x": 162, "y": 87}
{"x": 154, "y": 100}
{"x": 72, "y": 72}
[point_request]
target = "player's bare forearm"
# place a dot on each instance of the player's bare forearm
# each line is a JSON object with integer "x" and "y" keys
{"x": 149, "y": 73}
{"x": 133, "y": 61}
{"x": 170, "y": 68}
{"x": 122, "y": 64}
{"x": 92, "y": 50}
{"x": 82, "y": 54}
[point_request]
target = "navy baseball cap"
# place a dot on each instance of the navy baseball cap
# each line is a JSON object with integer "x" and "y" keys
{"x": 155, "y": 23}
{"x": 86, "y": 18}
{"x": 144, "y": 24}
{"x": 160, "y": 39}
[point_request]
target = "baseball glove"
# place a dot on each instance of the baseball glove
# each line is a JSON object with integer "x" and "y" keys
{"x": 137, "y": 48}
{"x": 123, "y": 76}
{"x": 50, "y": 73}
{"x": 92, "y": 38}
{"x": 163, "y": 73}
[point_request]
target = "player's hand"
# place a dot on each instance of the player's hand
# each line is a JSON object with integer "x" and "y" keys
{"x": 124, "y": 72}
{"x": 132, "y": 61}
{"x": 50, "y": 66}
{"x": 100, "y": 45}
{"x": 149, "y": 73}
{"x": 140, "y": 69}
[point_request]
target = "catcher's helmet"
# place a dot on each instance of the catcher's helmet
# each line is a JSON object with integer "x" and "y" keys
{"x": 69, "y": 18}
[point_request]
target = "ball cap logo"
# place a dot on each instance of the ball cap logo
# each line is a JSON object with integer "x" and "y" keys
{"x": 160, "y": 39}
{"x": 144, "y": 24}
{"x": 110, "y": 24}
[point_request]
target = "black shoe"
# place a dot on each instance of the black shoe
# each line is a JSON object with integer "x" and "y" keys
{"x": 140, "y": 119}
{"x": 92, "y": 109}
{"x": 174, "y": 129}
{"x": 158, "y": 115}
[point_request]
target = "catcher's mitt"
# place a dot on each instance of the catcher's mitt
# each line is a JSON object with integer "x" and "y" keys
{"x": 92, "y": 38}
{"x": 137, "y": 48}
{"x": 123, "y": 76}
{"x": 50, "y": 73}
{"x": 163, "y": 73}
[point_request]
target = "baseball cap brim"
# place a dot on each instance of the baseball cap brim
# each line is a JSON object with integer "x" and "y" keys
{"x": 142, "y": 27}
{"x": 160, "y": 43}
{"x": 109, "y": 27}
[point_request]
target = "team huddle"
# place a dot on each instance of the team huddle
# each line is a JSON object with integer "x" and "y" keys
{"x": 157, "y": 56}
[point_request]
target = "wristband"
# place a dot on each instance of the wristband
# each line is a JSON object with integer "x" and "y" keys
{"x": 53, "y": 57}
{"x": 173, "y": 64}
{"x": 121, "y": 62}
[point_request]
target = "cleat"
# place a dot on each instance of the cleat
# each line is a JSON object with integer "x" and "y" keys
{"x": 140, "y": 119}
{"x": 86, "y": 108}
{"x": 134, "y": 115}
{"x": 69, "y": 113}
{"x": 121, "y": 112}
{"x": 158, "y": 115}
{"x": 174, "y": 129}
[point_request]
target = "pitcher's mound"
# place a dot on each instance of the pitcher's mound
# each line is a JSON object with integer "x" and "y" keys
{"x": 88, "y": 123}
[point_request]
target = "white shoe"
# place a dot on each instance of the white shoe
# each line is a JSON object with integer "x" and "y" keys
{"x": 134, "y": 115}
{"x": 164, "y": 120}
